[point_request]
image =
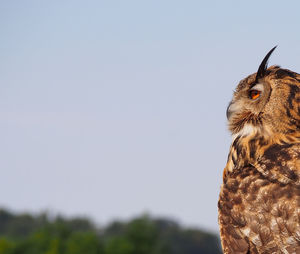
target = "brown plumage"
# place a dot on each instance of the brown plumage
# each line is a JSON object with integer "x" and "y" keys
{"x": 259, "y": 204}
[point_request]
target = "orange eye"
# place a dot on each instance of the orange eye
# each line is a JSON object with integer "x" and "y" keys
{"x": 254, "y": 94}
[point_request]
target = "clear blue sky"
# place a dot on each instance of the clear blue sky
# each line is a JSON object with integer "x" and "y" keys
{"x": 114, "y": 108}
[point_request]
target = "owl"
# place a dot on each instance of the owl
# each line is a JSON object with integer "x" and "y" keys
{"x": 259, "y": 202}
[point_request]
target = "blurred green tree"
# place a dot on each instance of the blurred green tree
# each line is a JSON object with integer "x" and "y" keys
{"x": 87, "y": 243}
{"x": 28, "y": 234}
{"x": 6, "y": 246}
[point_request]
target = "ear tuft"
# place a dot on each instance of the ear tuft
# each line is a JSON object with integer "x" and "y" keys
{"x": 263, "y": 66}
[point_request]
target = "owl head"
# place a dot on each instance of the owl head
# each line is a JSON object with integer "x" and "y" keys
{"x": 266, "y": 102}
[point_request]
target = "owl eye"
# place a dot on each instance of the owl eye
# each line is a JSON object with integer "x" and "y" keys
{"x": 254, "y": 94}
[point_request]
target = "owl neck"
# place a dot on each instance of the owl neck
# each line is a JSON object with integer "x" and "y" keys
{"x": 250, "y": 143}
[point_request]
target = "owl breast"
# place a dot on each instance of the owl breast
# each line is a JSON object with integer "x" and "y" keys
{"x": 258, "y": 215}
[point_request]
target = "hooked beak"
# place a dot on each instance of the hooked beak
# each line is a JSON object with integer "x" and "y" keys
{"x": 228, "y": 111}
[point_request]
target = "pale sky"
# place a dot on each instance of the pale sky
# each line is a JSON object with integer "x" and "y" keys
{"x": 114, "y": 108}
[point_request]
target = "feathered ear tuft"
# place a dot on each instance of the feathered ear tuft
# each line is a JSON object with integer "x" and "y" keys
{"x": 263, "y": 66}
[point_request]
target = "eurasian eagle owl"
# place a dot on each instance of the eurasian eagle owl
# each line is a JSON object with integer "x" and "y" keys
{"x": 259, "y": 203}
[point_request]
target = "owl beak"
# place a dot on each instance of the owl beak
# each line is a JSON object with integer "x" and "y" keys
{"x": 228, "y": 111}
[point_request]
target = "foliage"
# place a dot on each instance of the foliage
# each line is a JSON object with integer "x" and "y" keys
{"x": 28, "y": 234}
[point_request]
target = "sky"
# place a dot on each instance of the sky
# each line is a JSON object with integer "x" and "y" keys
{"x": 111, "y": 109}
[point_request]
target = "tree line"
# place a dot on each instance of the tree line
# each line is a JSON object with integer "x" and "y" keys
{"x": 43, "y": 234}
